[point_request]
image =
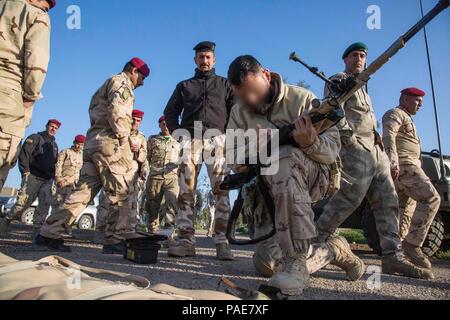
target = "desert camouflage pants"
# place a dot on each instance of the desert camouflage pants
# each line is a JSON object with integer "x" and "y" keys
{"x": 102, "y": 212}
{"x": 62, "y": 194}
{"x": 112, "y": 173}
{"x": 9, "y": 151}
{"x": 135, "y": 204}
{"x": 33, "y": 188}
{"x": 14, "y": 119}
{"x": 213, "y": 152}
{"x": 159, "y": 187}
{"x": 298, "y": 183}
{"x": 418, "y": 204}
{"x": 372, "y": 178}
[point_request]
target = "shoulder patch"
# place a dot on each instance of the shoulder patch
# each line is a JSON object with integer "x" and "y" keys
{"x": 126, "y": 93}
{"x": 29, "y": 140}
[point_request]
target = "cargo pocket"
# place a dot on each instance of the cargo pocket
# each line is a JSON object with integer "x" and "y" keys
{"x": 302, "y": 218}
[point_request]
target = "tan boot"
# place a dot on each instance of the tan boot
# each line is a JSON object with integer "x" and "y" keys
{"x": 415, "y": 255}
{"x": 181, "y": 249}
{"x": 294, "y": 278}
{"x": 4, "y": 227}
{"x": 345, "y": 259}
{"x": 223, "y": 252}
{"x": 398, "y": 265}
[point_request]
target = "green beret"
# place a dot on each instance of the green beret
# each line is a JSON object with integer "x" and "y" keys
{"x": 358, "y": 46}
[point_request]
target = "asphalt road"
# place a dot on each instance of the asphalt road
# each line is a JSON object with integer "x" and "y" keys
{"x": 205, "y": 272}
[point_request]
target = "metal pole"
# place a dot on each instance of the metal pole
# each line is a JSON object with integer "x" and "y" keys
{"x": 436, "y": 116}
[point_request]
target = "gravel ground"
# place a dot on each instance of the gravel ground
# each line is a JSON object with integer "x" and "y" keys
{"x": 204, "y": 271}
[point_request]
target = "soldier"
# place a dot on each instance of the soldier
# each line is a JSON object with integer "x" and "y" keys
{"x": 413, "y": 186}
{"x": 107, "y": 162}
{"x": 25, "y": 53}
{"x": 365, "y": 161}
{"x": 304, "y": 168}
{"x": 67, "y": 171}
{"x": 37, "y": 162}
{"x": 207, "y": 99}
{"x": 139, "y": 148}
{"x": 163, "y": 156}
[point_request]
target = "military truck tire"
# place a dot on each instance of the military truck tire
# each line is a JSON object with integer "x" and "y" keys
{"x": 434, "y": 237}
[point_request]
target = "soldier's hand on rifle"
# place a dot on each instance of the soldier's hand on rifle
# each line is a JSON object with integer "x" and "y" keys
{"x": 304, "y": 134}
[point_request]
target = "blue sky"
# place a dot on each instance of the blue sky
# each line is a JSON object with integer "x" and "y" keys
{"x": 164, "y": 32}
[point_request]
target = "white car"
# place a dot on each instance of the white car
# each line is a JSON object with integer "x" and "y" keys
{"x": 85, "y": 221}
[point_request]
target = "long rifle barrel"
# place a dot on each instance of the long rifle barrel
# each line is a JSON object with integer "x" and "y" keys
{"x": 441, "y": 6}
{"x": 314, "y": 70}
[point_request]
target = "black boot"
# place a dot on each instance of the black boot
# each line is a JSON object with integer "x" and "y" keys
{"x": 58, "y": 245}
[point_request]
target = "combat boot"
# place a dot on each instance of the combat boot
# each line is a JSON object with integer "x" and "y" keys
{"x": 415, "y": 255}
{"x": 294, "y": 278}
{"x": 4, "y": 227}
{"x": 345, "y": 259}
{"x": 398, "y": 265}
{"x": 118, "y": 248}
{"x": 223, "y": 252}
{"x": 57, "y": 245}
{"x": 181, "y": 249}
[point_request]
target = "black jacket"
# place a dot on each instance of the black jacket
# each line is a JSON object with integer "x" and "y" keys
{"x": 39, "y": 155}
{"x": 206, "y": 97}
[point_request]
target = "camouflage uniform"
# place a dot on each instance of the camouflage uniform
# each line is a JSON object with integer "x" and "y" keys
{"x": 211, "y": 214}
{"x": 188, "y": 174}
{"x": 24, "y": 57}
{"x": 413, "y": 186}
{"x": 365, "y": 161}
{"x": 141, "y": 168}
{"x": 67, "y": 172}
{"x": 107, "y": 163}
{"x": 163, "y": 156}
{"x": 303, "y": 175}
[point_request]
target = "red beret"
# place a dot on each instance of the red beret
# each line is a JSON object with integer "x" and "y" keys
{"x": 80, "y": 138}
{"x": 413, "y": 92}
{"x": 141, "y": 66}
{"x": 137, "y": 114}
{"x": 52, "y": 3}
{"x": 55, "y": 122}
{"x": 163, "y": 118}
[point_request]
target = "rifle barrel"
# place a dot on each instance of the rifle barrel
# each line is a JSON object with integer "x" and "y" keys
{"x": 441, "y": 6}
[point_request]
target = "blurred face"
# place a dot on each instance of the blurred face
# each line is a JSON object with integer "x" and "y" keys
{"x": 43, "y": 4}
{"x": 136, "y": 123}
{"x": 78, "y": 146}
{"x": 355, "y": 62}
{"x": 205, "y": 61}
{"x": 164, "y": 129}
{"x": 254, "y": 90}
{"x": 411, "y": 104}
{"x": 137, "y": 78}
{"x": 52, "y": 129}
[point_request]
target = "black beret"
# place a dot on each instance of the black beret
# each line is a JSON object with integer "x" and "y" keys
{"x": 205, "y": 46}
